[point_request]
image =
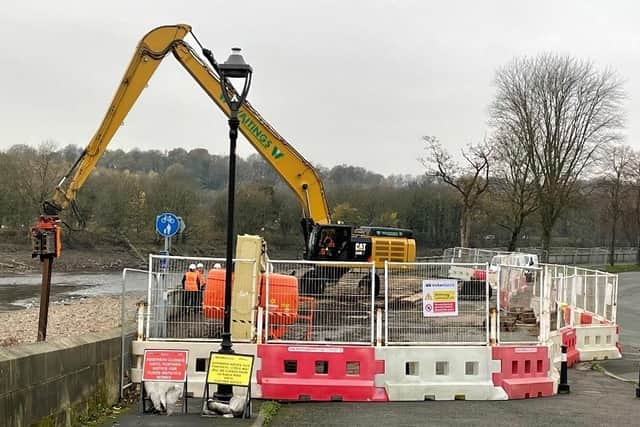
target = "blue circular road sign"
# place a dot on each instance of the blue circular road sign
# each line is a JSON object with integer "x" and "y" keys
{"x": 167, "y": 224}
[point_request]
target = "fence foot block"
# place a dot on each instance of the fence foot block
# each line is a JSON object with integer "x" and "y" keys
{"x": 527, "y": 388}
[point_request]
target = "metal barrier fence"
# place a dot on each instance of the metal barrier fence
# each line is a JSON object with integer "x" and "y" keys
{"x": 338, "y": 302}
{"x": 521, "y": 304}
{"x": 474, "y": 255}
{"x": 412, "y": 299}
{"x": 586, "y": 290}
{"x": 577, "y": 256}
{"x": 557, "y": 255}
{"x": 176, "y": 313}
{"x": 320, "y": 302}
{"x": 134, "y": 292}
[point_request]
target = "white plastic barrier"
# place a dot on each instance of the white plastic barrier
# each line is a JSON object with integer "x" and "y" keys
{"x": 597, "y": 342}
{"x": 555, "y": 356}
{"x": 196, "y": 371}
{"x": 438, "y": 373}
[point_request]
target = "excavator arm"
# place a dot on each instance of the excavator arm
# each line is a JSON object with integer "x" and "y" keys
{"x": 152, "y": 49}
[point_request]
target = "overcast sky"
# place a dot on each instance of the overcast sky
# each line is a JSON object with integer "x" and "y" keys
{"x": 355, "y": 82}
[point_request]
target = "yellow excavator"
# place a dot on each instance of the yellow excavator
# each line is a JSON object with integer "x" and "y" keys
{"x": 323, "y": 240}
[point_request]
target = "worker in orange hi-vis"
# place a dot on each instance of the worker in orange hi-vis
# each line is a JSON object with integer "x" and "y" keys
{"x": 200, "y": 271}
{"x": 203, "y": 283}
{"x": 191, "y": 288}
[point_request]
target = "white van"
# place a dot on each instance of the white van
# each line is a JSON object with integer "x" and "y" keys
{"x": 516, "y": 259}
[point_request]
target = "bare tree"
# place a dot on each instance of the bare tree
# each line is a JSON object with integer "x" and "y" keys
{"x": 470, "y": 182}
{"x": 560, "y": 110}
{"x": 633, "y": 217}
{"x": 513, "y": 187}
{"x": 617, "y": 165}
{"x": 35, "y": 174}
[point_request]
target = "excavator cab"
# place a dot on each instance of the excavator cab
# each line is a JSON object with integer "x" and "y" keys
{"x": 330, "y": 242}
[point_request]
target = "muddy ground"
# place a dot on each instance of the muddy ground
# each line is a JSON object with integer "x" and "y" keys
{"x": 16, "y": 259}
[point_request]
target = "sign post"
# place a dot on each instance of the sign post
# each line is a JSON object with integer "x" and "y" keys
{"x": 232, "y": 370}
{"x": 167, "y": 225}
{"x": 164, "y": 366}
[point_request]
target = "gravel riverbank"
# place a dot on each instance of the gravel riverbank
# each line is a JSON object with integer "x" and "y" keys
{"x": 68, "y": 318}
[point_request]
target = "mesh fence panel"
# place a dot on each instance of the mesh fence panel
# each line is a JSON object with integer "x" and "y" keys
{"x": 614, "y": 297}
{"x": 565, "y": 296}
{"x": 521, "y": 290}
{"x": 590, "y": 293}
{"x": 325, "y": 302}
{"x": 555, "y": 285}
{"x": 134, "y": 292}
{"x": 585, "y": 290}
{"x": 320, "y": 302}
{"x": 604, "y": 292}
{"x": 178, "y": 313}
{"x": 470, "y": 255}
{"x": 407, "y": 320}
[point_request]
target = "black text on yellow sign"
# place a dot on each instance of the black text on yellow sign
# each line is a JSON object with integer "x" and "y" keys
{"x": 444, "y": 295}
{"x": 230, "y": 369}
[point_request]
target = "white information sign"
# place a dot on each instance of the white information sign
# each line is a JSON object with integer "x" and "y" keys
{"x": 439, "y": 297}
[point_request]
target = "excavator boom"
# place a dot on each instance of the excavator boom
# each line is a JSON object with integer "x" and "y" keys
{"x": 152, "y": 49}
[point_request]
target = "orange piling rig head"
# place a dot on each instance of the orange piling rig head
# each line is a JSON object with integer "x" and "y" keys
{"x": 45, "y": 237}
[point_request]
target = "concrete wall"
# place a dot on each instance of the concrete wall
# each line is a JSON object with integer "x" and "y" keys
{"x": 55, "y": 383}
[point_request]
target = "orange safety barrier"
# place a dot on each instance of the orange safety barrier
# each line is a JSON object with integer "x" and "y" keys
{"x": 525, "y": 371}
{"x": 586, "y": 318}
{"x": 504, "y": 299}
{"x": 285, "y": 306}
{"x": 319, "y": 373}
{"x": 566, "y": 314}
{"x": 283, "y": 302}
{"x": 213, "y": 298}
{"x": 280, "y": 322}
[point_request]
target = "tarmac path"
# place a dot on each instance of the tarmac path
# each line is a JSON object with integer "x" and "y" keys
{"x": 595, "y": 400}
{"x": 629, "y": 320}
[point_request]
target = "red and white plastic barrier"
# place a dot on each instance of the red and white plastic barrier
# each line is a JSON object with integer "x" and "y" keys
{"x": 319, "y": 373}
{"x": 525, "y": 371}
{"x": 569, "y": 338}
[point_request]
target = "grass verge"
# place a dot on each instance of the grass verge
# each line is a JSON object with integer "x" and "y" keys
{"x": 618, "y": 268}
{"x": 269, "y": 411}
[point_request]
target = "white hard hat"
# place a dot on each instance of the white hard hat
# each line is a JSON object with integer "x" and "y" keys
{"x": 192, "y": 266}
{"x": 217, "y": 265}
{"x": 200, "y": 265}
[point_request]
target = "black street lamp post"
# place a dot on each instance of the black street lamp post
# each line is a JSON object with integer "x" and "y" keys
{"x": 233, "y": 68}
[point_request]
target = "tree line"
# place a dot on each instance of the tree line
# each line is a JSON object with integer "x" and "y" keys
{"x": 127, "y": 190}
{"x": 552, "y": 169}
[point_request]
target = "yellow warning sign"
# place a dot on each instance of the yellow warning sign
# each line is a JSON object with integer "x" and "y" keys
{"x": 230, "y": 369}
{"x": 444, "y": 295}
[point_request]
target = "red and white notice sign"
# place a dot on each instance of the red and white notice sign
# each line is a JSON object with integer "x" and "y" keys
{"x": 165, "y": 365}
{"x": 439, "y": 297}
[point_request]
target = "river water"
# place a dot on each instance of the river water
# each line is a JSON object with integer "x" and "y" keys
{"x": 22, "y": 291}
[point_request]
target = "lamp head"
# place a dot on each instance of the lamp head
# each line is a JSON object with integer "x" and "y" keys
{"x": 235, "y": 66}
